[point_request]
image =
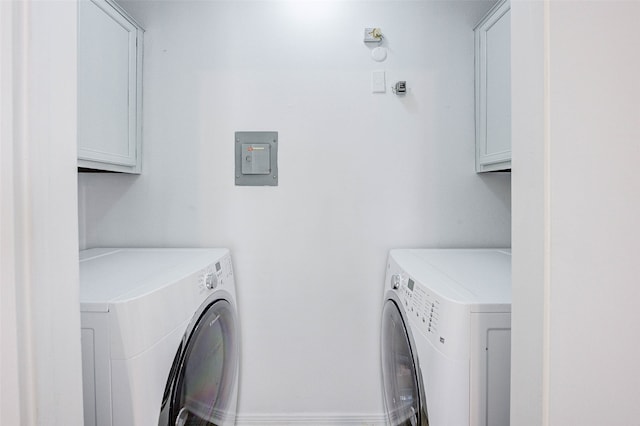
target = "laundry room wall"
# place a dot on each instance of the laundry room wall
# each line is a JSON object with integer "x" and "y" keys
{"x": 359, "y": 173}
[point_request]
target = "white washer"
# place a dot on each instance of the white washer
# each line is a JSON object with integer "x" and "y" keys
{"x": 160, "y": 338}
{"x": 446, "y": 337}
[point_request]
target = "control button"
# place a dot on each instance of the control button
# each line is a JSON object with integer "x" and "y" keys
{"x": 211, "y": 281}
{"x": 395, "y": 281}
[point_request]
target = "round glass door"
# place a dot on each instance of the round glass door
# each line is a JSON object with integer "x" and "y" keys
{"x": 208, "y": 370}
{"x": 400, "y": 381}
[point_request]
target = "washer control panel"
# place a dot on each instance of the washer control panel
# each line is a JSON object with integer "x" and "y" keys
{"x": 211, "y": 279}
{"x": 426, "y": 306}
{"x": 443, "y": 322}
{"x": 419, "y": 303}
{"x": 216, "y": 274}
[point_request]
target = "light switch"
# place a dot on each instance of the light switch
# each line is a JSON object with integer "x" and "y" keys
{"x": 377, "y": 82}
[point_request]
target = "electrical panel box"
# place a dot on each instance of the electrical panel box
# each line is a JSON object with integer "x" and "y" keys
{"x": 256, "y": 158}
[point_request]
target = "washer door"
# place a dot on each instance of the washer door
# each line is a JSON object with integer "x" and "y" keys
{"x": 203, "y": 380}
{"x": 401, "y": 382}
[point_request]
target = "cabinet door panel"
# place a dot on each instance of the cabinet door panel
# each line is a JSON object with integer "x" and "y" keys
{"x": 498, "y": 87}
{"x": 493, "y": 90}
{"x": 107, "y": 86}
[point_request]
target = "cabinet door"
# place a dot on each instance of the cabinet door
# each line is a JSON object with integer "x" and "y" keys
{"x": 108, "y": 88}
{"x": 493, "y": 90}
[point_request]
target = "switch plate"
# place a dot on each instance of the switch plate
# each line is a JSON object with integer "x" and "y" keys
{"x": 377, "y": 82}
{"x": 256, "y": 158}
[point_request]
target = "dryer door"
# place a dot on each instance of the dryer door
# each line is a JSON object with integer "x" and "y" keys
{"x": 202, "y": 384}
{"x": 401, "y": 382}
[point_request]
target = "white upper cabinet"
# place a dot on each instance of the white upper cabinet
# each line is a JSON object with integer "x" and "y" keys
{"x": 109, "y": 88}
{"x": 493, "y": 89}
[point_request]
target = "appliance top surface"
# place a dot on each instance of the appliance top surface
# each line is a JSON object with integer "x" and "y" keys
{"x": 470, "y": 276}
{"x": 115, "y": 274}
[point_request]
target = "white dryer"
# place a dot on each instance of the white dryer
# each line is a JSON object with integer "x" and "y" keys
{"x": 160, "y": 340}
{"x": 446, "y": 337}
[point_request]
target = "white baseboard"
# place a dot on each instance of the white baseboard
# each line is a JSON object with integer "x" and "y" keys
{"x": 314, "y": 419}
